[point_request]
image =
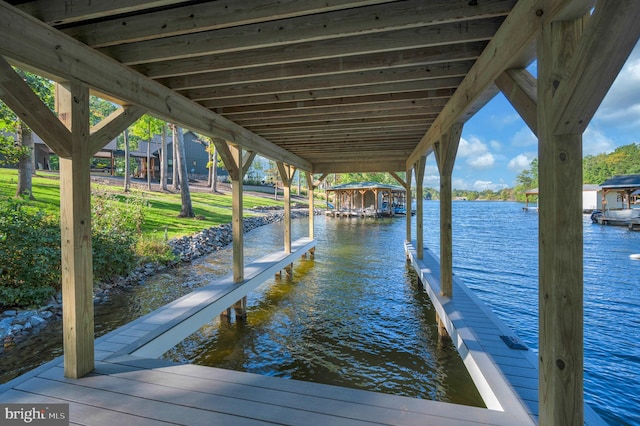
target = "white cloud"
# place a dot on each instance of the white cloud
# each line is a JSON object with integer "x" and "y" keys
{"x": 431, "y": 181}
{"x": 621, "y": 105}
{"x": 595, "y": 142}
{"x": 431, "y": 170}
{"x": 524, "y": 137}
{"x": 458, "y": 183}
{"x": 482, "y": 185}
{"x": 476, "y": 153}
{"x": 484, "y": 161}
{"x": 495, "y": 145}
{"x": 520, "y": 162}
{"x": 478, "y": 185}
{"x": 471, "y": 147}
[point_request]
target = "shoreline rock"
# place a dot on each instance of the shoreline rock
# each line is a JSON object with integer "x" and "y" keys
{"x": 18, "y": 324}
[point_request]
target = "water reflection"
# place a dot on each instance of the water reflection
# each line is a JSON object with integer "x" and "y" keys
{"x": 354, "y": 316}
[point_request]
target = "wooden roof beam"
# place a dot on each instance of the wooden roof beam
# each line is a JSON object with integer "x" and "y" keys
{"x": 29, "y": 41}
{"x": 511, "y": 47}
{"x": 202, "y": 17}
{"x": 442, "y": 54}
{"x": 332, "y": 82}
{"x": 361, "y": 166}
{"x": 63, "y": 12}
{"x": 613, "y": 28}
{"x": 319, "y": 27}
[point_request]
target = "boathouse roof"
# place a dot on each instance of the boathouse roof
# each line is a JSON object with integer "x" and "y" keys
{"x": 590, "y": 187}
{"x": 622, "y": 182}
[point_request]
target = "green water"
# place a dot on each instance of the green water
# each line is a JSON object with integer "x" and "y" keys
{"x": 352, "y": 316}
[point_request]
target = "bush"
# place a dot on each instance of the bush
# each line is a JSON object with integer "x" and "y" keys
{"x": 29, "y": 255}
{"x": 155, "y": 250}
{"x": 30, "y": 261}
{"x": 116, "y": 224}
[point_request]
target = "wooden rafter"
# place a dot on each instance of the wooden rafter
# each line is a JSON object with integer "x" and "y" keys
{"x": 29, "y": 41}
{"x": 408, "y": 15}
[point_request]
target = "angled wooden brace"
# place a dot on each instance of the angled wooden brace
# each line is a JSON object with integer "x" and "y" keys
{"x": 446, "y": 149}
{"x": 608, "y": 38}
{"x": 286, "y": 172}
{"x": 109, "y": 128}
{"x": 520, "y": 88}
{"x": 230, "y": 163}
{"x": 18, "y": 96}
{"x": 399, "y": 179}
{"x": 247, "y": 159}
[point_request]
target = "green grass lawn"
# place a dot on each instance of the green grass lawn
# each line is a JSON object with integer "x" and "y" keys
{"x": 163, "y": 210}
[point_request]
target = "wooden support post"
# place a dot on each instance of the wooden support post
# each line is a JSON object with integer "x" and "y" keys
{"x": 240, "y": 309}
{"x": 442, "y": 330}
{"x": 310, "y": 192}
{"x": 237, "y": 223}
{"x": 287, "y": 217}
{"x": 445, "y": 152}
{"x": 419, "y": 167}
{"x": 286, "y": 174}
{"x": 72, "y": 104}
{"x": 226, "y": 315}
{"x": 408, "y": 179}
{"x": 560, "y": 235}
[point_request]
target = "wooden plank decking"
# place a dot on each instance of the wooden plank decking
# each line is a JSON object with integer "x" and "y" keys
{"x": 506, "y": 377}
{"x": 130, "y": 387}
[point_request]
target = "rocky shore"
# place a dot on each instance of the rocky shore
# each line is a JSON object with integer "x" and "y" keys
{"x": 17, "y": 324}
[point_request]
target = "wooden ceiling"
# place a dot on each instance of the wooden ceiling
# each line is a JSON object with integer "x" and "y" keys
{"x": 340, "y": 85}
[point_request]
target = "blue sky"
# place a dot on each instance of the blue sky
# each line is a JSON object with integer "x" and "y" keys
{"x": 496, "y": 145}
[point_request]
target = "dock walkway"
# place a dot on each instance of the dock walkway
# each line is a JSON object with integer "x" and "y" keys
{"x": 503, "y": 368}
{"x": 131, "y": 386}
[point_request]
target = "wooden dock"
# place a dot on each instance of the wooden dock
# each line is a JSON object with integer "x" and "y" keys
{"x": 131, "y": 386}
{"x": 503, "y": 368}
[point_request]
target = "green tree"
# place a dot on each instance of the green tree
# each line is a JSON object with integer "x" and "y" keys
{"x": 99, "y": 109}
{"x": 146, "y": 128}
{"x": 20, "y": 154}
{"x": 623, "y": 160}
{"x": 527, "y": 179}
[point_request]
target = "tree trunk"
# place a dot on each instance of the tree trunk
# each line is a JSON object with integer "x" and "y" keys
{"x": 214, "y": 171}
{"x": 163, "y": 160}
{"x": 127, "y": 171}
{"x": 25, "y": 165}
{"x": 34, "y": 166}
{"x": 176, "y": 176}
{"x": 212, "y": 168}
{"x": 149, "y": 162}
{"x": 187, "y": 208}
